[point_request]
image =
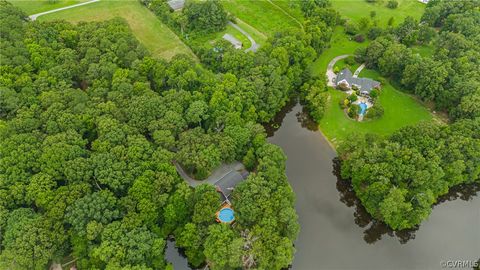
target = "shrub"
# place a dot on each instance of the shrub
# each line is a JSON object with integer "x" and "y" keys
{"x": 353, "y": 97}
{"x": 392, "y": 4}
{"x": 336, "y": 69}
{"x": 359, "y": 38}
{"x": 375, "y": 111}
{"x": 351, "y": 28}
{"x": 360, "y": 54}
{"x": 374, "y": 94}
{"x": 350, "y": 61}
{"x": 374, "y": 32}
{"x": 353, "y": 110}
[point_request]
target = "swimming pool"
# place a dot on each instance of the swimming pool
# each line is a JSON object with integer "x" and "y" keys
{"x": 226, "y": 215}
{"x": 363, "y": 108}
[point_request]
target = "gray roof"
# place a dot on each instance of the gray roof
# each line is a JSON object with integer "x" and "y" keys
{"x": 364, "y": 84}
{"x": 232, "y": 39}
{"x": 228, "y": 182}
{"x": 176, "y": 4}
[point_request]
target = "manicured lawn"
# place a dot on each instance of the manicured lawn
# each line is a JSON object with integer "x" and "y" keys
{"x": 37, "y": 6}
{"x": 356, "y": 9}
{"x": 341, "y": 65}
{"x": 400, "y": 110}
{"x": 261, "y": 15}
{"x": 340, "y": 44}
{"x": 148, "y": 29}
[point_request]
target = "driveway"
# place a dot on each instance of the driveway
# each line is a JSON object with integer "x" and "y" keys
{"x": 330, "y": 74}
{"x": 359, "y": 69}
{"x": 254, "y": 47}
{"x": 35, "y": 16}
{"x": 221, "y": 172}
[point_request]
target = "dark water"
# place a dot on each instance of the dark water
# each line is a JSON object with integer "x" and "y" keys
{"x": 337, "y": 233}
{"x": 174, "y": 256}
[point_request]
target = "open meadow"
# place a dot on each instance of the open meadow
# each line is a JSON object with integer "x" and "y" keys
{"x": 32, "y": 7}
{"x": 356, "y": 9}
{"x": 148, "y": 29}
{"x": 266, "y": 17}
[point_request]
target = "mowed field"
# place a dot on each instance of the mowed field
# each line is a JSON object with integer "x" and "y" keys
{"x": 400, "y": 110}
{"x": 33, "y": 7}
{"x": 148, "y": 29}
{"x": 264, "y": 16}
{"x": 356, "y": 9}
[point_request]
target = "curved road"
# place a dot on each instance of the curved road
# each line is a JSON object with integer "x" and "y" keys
{"x": 35, "y": 16}
{"x": 330, "y": 74}
{"x": 254, "y": 47}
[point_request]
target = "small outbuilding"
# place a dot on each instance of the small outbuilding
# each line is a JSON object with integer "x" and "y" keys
{"x": 237, "y": 44}
{"x": 176, "y": 4}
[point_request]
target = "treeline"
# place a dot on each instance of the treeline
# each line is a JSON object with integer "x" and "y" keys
{"x": 399, "y": 178}
{"x": 450, "y": 76}
{"x": 89, "y": 126}
{"x": 277, "y": 70}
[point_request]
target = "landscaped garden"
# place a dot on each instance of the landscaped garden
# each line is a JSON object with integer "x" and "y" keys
{"x": 150, "y": 31}
{"x": 400, "y": 110}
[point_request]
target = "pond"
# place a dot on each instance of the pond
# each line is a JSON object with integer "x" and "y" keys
{"x": 335, "y": 230}
{"x": 337, "y": 233}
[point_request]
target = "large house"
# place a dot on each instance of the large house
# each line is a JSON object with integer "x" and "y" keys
{"x": 345, "y": 80}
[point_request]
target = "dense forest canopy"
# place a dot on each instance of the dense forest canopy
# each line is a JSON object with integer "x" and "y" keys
{"x": 90, "y": 125}
{"x": 399, "y": 178}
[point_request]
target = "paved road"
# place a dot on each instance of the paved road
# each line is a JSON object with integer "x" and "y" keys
{"x": 254, "y": 47}
{"x": 330, "y": 74}
{"x": 35, "y": 16}
{"x": 359, "y": 69}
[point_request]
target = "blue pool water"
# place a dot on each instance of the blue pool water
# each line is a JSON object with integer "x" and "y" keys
{"x": 363, "y": 108}
{"x": 226, "y": 215}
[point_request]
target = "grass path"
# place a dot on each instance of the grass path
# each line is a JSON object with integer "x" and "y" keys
{"x": 286, "y": 13}
{"x": 37, "y": 6}
{"x": 261, "y": 15}
{"x": 152, "y": 33}
{"x": 36, "y": 15}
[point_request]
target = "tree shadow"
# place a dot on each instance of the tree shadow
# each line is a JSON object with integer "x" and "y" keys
{"x": 375, "y": 229}
{"x": 306, "y": 120}
{"x": 272, "y": 126}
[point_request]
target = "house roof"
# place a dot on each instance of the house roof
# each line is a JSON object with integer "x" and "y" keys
{"x": 228, "y": 182}
{"x": 176, "y": 4}
{"x": 232, "y": 39}
{"x": 364, "y": 84}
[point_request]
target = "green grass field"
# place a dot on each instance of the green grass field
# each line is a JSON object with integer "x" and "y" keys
{"x": 148, "y": 29}
{"x": 211, "y": 38}
{"x": 264, "y": 16}
{"x": 356, "y": 9}
{"x": 340, "y": 44}
{"x": 400, "y": 110}
{"x": 341, "y": 65}
{"x": 32, "y": 7}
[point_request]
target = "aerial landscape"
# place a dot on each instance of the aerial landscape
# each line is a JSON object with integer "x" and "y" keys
{"x": 239, "y": 134}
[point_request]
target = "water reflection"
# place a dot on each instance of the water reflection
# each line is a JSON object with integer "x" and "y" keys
{"x": 375, "y": 229}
